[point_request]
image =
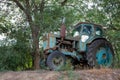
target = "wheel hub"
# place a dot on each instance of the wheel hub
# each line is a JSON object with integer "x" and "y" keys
{"x": 58, "y": 61}
{"x": 104, "y": 57}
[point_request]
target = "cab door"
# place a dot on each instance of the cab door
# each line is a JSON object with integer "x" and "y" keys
{"x": 85, "y": 35}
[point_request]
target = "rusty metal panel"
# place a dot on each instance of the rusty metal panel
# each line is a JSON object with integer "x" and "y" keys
{"x": 62, "y": 31}
{"x": 45, "y": 41}
{"x": 49, "y": 41}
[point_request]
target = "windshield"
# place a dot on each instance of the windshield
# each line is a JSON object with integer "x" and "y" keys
{"x": 87, "y": 29}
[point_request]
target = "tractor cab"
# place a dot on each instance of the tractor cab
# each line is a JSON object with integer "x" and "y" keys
{"x": 86, "y": 32}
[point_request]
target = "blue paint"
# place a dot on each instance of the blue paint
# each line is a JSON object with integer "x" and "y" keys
{"x": 45, "y": 43}
{"x": 52, "y": 42}
{"x": 72, "y": 54}
{"x": 107, "y": 60}
{"x": 82, "y": 46}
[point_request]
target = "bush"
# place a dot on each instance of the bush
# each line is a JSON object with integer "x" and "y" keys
{"x": 12, "y": 58}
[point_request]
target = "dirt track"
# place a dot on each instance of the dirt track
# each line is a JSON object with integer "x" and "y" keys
{"x": 102, "y": 74}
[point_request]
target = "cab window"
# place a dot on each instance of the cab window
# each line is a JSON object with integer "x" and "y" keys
{"x": 76, "y": 32}
{"x": 98, "y": 31}
{"x": 87, "y": 29}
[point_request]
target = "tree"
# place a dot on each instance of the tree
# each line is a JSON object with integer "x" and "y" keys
{"x": 112, "y": 10}
{"x": 30, "y": 9}
{"x": 36, "y": 11}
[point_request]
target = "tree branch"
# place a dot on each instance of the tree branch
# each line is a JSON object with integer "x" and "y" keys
{"x": 28, "y": 11}
{"x": 19, "y": 5}
{"x": 34, "y": 6}
{"x": 63, "y": 3}
{"x": 27, "y": 4}
{"x": 42, "y": 4}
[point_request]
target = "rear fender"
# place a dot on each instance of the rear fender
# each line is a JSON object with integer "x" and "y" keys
{"x": 83, "y": 45}
{"x": 96, "y": 38}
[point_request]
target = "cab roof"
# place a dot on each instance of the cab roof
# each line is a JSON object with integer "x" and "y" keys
{"x": 87, "y": 23}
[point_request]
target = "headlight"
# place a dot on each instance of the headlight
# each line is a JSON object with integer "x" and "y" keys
{"x": 84, "y": 38}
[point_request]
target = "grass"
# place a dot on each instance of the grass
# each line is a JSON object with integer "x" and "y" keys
{"x": 68, "y": 66}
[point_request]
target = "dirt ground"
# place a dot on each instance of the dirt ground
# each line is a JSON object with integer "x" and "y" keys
{"x": 101, "y": 74}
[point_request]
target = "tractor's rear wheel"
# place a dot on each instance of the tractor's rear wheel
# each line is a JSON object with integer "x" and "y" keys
{"x": 56, "y": 60}
{"x": 100, "y": 54}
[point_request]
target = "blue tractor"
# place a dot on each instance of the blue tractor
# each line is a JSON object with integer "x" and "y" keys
{"x": 86, "y": 46}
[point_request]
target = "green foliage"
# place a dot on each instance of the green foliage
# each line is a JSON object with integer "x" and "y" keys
{"x": 68, "y": 66}
{"x": 16, "y": 52}
{"x": 14, "y": 58}
{"x": 11, "y": 59}
{"x": 114, "y": 39}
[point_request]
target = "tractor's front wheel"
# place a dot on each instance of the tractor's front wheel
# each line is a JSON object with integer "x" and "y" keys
{"x": 56, "y": 60}
{"x": 100, "y": 54}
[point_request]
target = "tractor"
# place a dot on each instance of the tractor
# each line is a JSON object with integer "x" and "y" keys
{"x": 87, "y": 45}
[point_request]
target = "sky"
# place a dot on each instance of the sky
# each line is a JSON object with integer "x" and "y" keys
{"x": 2, "y": 37}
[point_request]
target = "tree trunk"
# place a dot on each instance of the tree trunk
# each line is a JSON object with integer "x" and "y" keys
{"x": 36, "y": 56}
{"x": 35, "y": 29}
